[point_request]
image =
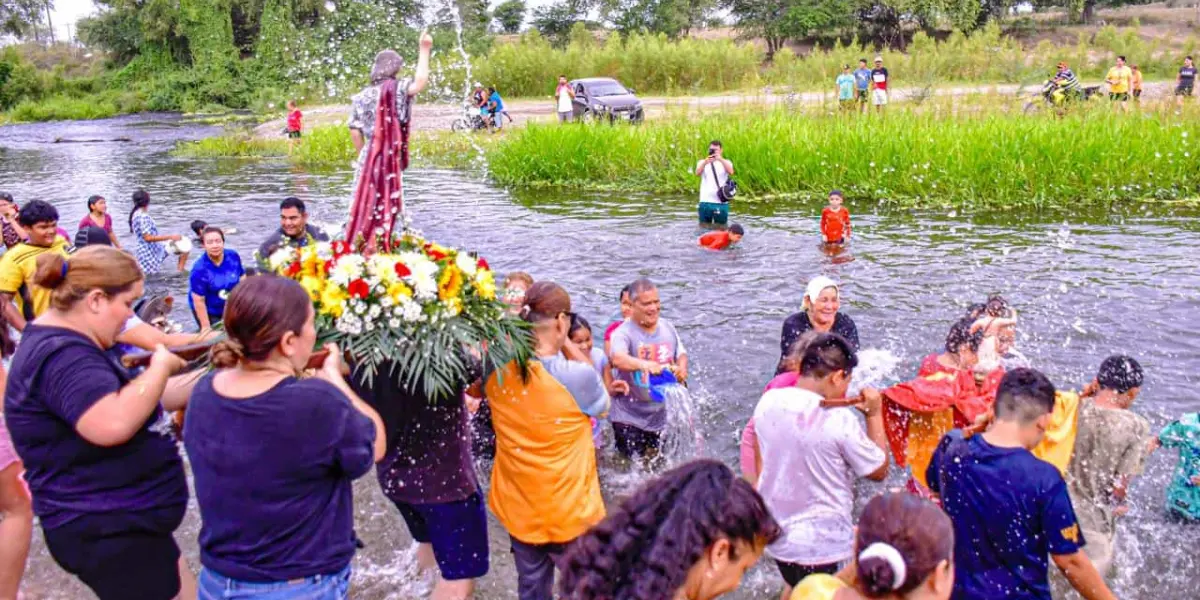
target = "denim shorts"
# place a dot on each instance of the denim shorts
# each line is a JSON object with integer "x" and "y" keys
{"x": 335, "y": 586}
{"x": 713, "y": 213}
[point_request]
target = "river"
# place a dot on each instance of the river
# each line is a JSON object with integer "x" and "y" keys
{"x": 1087, "y": 284}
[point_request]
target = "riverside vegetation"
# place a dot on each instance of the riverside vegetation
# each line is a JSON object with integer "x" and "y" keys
{"x": 910, "y": 156}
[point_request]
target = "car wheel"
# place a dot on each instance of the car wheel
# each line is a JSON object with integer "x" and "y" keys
{"x": 588, "y": 117}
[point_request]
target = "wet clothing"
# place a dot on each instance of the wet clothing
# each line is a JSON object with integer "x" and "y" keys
{"x": 835, "y": 225}
{"x": 213, "y": 282}
{"x": 1183, "y": 496}
{"x": 273, "y": 475}
{"x": 715, "y": 240}
{"x": 1010, "y": 512}
{"x": 1110, "y": 445}
{"x": 632, "y": 441}
{"x": 535, "y": 568}
{"x": 88, "y": 221}
{"x": 712, "y": 178}
{"x": 662, "y": 346}
{"x": 149, "y": 255}
{"x": 17, "y": 267}
{"x": 798, "y": 324}
{"x": 457, "y": 530}
{"x": 811, "y": 456}
{"x": 279, "y": 240}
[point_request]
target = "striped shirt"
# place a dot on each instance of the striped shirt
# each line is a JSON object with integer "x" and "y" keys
{"x": 1067, "y": 80}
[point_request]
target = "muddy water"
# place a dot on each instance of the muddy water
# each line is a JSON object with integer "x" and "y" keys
{"x": 1086, "y": 284}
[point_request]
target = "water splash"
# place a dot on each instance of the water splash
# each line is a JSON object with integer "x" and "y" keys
{"x": 875, "y": 367}
{"x": 683, "y": 438}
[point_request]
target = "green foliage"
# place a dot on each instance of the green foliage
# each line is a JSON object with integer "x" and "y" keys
{"x": 510, "y": 15}
{"x": 18, "y": 17}
{"x": 927, "y": 157}
{"x": 61, "y": 108}
{"x": 554, "y": 21}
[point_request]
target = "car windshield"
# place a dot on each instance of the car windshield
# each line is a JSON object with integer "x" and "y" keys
{"x": 608, "y": 89}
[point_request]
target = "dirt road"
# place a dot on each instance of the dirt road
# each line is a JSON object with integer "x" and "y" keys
{"x": 428, "y": 117}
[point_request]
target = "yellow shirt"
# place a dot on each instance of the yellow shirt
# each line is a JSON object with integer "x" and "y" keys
{"x": 17, "y": 267}
{"x": 1119, "y": 78}
{"x": 818, "y": 587}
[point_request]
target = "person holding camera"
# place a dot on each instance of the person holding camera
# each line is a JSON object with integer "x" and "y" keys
{"x": 714, "y": 171}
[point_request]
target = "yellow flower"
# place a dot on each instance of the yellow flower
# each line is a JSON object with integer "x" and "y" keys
{"x": 454, "y": 305}
{"x": 485, "y": 284}
{"x": 450, "y": 284}
{"x": 333, "y": 300}
{"x": 313, "y": 285}
{"x": 312, "y": 266}
{"x": 398, "y": 290}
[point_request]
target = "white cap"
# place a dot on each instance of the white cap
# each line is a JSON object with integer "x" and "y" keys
{"x": 817, "y": 285}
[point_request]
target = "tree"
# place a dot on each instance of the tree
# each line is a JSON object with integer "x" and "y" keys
{"x": 20, "y": 17}
{"x": 777, "y": 21}
{"x": 672, "y": 17}
{"x": 555, "y": 21}
{"x": 510, "y": 15}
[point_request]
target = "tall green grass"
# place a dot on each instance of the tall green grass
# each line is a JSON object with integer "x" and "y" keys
{"x": 906, "y": 156}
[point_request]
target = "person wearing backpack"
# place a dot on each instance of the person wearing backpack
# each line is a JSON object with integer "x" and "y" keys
{"x": 714, "y": 172}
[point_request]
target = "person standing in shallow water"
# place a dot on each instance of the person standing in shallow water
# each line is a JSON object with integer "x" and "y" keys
{"x": 274, "y": 455}
{"x": 150, "y": 249}
{"x": 690, "y": 534}
{"x": 20, "y": 296}
{"x": 108, "y": 484}
{"x": 98, "y": 217}
{"x": 294, "y": 230}
{"x": 822, "y": 299}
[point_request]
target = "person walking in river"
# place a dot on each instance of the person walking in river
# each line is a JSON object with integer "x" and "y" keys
{"x": 274, "y": 455}
{"x": 690, "y": 534}
{"x": 108, "y": 484}
{"x": 21, "y": 298}
{"x": 644, "y": 345}
{"x": 214, "y": 275}
{"x": 820, "y": 312}
{"x": 545, "y": 490}
{"x": 98, "y": 217}
{"x": 714, "y": 171}
{"x": 835, "y": 221}
{"x": 1183, "y": 493}
{"x": 1011, "y": 511}
{"x": 150, "y": 248}
{"x": 811, "y": 456}
{"x": 564, "y": 97}
{"x": 294, "y": 230}
{"x": 10, "y": 226}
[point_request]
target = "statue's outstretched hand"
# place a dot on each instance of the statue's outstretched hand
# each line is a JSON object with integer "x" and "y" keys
{"x": 426, "y": 40}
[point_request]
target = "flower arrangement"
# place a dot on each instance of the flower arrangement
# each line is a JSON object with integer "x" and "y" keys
{"x": 414, "y": 310}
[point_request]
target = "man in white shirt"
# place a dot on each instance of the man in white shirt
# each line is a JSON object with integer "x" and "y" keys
{"x": 565, "y": 97}
{"x": 813, "y": 448}
{"x": 713, "y": 172}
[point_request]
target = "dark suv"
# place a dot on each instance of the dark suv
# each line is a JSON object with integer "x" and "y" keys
{"x": 601, "y": 98}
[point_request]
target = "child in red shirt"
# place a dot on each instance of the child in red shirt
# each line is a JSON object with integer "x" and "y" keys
{"x": 835, "y": 220}
{"x": 293, "y": 125}
{"x": 720, "y": 240}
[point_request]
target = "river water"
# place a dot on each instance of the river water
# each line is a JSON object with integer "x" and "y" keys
{"x": 1087, "y": 284}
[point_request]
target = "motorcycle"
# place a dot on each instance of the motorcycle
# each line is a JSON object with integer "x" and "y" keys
{"x": 470, "y": 120}
{"x": 1058, "y": 97}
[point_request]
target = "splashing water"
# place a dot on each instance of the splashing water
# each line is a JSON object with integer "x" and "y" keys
{"x": 683, "y": 438}
{"x": 875, "y": 368}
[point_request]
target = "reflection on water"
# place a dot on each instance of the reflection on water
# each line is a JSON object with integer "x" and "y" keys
{"x": 1086, "y": 286}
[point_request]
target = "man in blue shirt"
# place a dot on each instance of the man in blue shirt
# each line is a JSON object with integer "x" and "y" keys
{"x": 1010, "y": 509}
{"x": 862, "y": 83}
{"x": 495, "y": 106}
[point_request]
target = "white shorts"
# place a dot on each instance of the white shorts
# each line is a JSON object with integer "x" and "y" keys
{"x": 879, "y": 97}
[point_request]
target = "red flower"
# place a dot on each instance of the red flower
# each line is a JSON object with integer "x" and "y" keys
{"x": 329, "y": 264}
{"x": 358, "y": 289}
{"x": 436, "y": 255}
{"x": 483, "y": 264}
{"x": 402, "y": 270}
{"x": 340, "y": 248}
{"x": 293, "y": 269}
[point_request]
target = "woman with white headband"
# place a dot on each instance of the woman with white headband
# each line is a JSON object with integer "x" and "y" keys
{"x": 904, "y": 551}
{"x": 822, "y": 299}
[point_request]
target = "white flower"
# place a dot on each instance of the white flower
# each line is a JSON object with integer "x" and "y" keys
{"x": 281, "y": 257}
{"x": 465, "y": 263}
{"x": 410, "y": 311}
{"x": 373, "y": 312}
{"x": 347, "y": 269}
{"x": 386, "y": 302}
{"x": 382, "y": 268}
{"x": 324, "y": 250}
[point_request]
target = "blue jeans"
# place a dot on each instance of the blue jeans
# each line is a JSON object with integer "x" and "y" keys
{"x": 336, "y": 586}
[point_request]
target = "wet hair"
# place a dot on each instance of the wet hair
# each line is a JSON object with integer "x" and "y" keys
{"x": 647, "y": 544}
{"x": 624, "y": 291}
{"x": 639, "y": 286}
{"x": 37, "y": 211}
{"x": 521, "y": 276}
{"x": 974, "y": 311}
{"x": 491, "y": 89}
{"x": 578, "y": 323}
{"x": 1025, "y": 395}
{"x": 259, "y": 312}
{"x": 7, "y": 197}
{"x": 92, "y": 200}
{"x": 960, "y": 333}
{"x": 198, "y": 227}
{"x": 1120, "y": 373}
{"x": 293, "y": 202}
{"x": 545, "y": 300}
{"x": 795, "y": 354}
{"x": 826, "y": 354}
{"x": 387, "y": 64}
{"x": 141, "y": 199}
{"x": 91, "y": 236}
{"x": 216, "y": 230}
{"x": 94, "y": 268}
{"x": 997, "y": 306}
{"x": 737, "y": 229}
{"x": 916, "y": 528}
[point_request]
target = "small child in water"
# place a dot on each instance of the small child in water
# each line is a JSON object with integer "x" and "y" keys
{"x": 835, "y": 220}
{"x": 580, "y": 334}
{"x": 720, "y": 240}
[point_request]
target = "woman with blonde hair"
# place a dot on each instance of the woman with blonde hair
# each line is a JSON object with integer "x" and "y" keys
{"x": 107, "y": 481}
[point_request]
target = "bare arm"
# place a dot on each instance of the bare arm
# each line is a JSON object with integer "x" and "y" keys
{"x": 179, "y": 390}
{"x": 628, "y": 363}
{"x": 161, "y": 238}
{"x": 11, "y": 313}
{"x": 873, "y": 409}
{"x": 728, "y": 165}
{"x": 703, "y": 164}
{"x": 16, "y": 225}
{"x": 117, "y": 417}
{"x": 1082, "y": 574}
{"x": 147, "y": 336}
{"x": 201, "y": 311}
{"x": 421, "y": 78}
{"x": 681, "y": 367}
{"x": 356, "y": 136}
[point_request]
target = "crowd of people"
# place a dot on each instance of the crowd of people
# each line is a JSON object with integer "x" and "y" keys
{"x": 1125, "y": 83}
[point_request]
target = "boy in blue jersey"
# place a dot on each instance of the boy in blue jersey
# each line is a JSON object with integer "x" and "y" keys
{"x": 1010, "y": 510}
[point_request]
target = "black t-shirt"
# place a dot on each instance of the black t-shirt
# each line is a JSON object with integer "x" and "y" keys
{"x": 1187, "y": 76}
{"x": 798, "y": 324}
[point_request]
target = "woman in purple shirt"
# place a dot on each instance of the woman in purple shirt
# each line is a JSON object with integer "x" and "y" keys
{"x": 107, "y": 481}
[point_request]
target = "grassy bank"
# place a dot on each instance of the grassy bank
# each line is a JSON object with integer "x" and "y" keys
{"x": 913, "y": 157}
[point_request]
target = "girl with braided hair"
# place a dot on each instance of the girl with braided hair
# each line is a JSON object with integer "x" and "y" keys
{"x": 691, "y": 534}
